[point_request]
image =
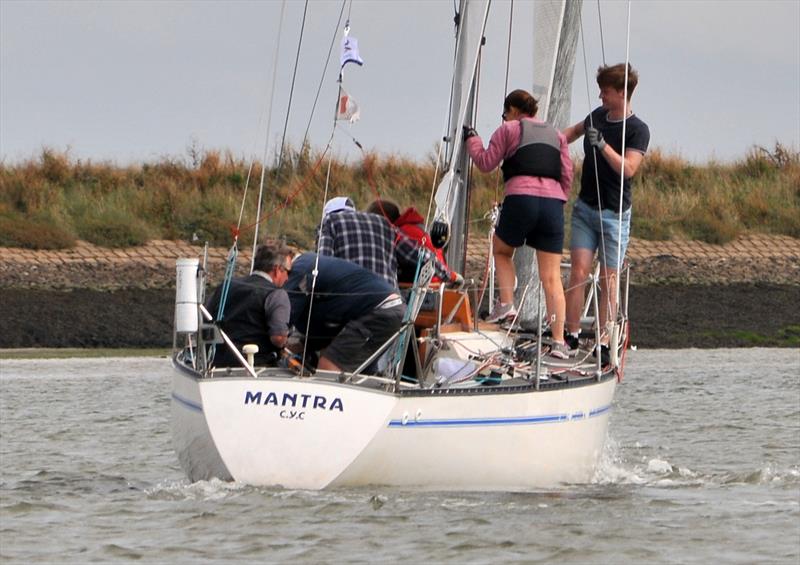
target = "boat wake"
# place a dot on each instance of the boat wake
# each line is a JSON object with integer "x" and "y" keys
{"x": 615, "y": 468}
{"x": 214, "y": 489}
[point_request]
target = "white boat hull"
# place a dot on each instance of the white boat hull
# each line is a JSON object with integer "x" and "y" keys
{"x": 312, "y": 434}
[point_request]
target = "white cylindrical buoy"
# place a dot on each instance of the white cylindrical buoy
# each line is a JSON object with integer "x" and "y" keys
{"x": 186, "y": 317}
{"x": 613, "y": 345}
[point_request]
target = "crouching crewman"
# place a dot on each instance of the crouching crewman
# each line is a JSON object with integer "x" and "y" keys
{"x": 354, "y": 311}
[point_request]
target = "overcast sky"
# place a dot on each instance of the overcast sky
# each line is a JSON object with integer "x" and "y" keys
{"x": 134, "y": 80}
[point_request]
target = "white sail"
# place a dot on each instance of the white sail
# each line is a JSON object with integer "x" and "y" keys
{"x": 556, "y": 26}
{"x": 450, "y": 199}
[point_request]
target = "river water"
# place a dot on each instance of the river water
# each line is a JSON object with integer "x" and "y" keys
{"x": 702, "y": 466}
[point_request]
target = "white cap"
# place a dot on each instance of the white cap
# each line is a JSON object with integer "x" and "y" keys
{"x": 336, "y": 204}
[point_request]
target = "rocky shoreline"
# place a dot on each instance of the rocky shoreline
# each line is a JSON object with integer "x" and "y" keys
{"x": 684, "y": 294}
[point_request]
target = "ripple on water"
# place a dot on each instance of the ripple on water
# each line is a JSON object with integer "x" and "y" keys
{"x": 701, "y": 465}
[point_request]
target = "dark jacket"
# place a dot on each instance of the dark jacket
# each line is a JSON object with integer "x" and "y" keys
{"x": 244, "y": 319}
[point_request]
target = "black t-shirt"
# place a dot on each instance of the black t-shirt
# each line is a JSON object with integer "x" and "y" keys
{"x": 637, "y": 137}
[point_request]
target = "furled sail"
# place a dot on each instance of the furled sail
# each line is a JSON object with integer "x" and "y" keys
{"x": 557, "y": 23}
{"x": 556, "y": 27}
{"x": 450, "y": 197}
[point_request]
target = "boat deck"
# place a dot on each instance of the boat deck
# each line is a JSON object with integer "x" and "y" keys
{"x": 503, "y": 374}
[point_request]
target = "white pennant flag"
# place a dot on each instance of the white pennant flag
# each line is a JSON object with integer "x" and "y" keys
{"x": 347, "y": 108}
{"x": 350, "y": 51}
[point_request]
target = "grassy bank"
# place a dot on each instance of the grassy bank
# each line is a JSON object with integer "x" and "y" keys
{"x": 51, "y": 201}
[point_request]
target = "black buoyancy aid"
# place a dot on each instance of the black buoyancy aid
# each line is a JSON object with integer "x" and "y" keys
{"x": 244, "y": 319}
{"x": 538, "y": 154}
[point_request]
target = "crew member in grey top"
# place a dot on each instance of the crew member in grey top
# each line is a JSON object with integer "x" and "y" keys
{"x": 256, "y": 309}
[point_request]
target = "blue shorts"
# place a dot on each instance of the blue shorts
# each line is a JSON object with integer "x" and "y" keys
{"x": 534, "y": 220}
{"x": 586, "y": 223}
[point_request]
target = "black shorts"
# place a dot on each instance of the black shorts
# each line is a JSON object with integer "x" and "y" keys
{"x": 533, "y": 220}
{"x": 362, "y": 337}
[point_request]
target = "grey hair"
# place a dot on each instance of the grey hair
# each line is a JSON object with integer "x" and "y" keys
{"x": 269, "y": 256}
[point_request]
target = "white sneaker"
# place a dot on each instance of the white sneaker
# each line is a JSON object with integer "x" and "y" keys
{"x": 559, "y": 350}
{"x": 501, "y": 312}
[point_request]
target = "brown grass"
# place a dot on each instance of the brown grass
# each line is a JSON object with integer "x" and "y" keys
{"x": 51, "y": 201}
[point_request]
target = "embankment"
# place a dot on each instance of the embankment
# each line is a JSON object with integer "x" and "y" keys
{"x": 685, "y": 294}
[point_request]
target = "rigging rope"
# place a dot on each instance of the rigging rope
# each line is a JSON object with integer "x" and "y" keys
{"x": 324, "y": 70}
{"x": 594, "y": 152}
{"x": 458, "y": 139}
{"x": 234, "y": 251}
{"x": 508, "y": 47}
{"x": 471, "y": 168}
{"x": 602, "y": 43}
{"x": 301, "y": 186}
{"x": 230, "y": 267}
{"x": 625, "y": 116}
{"x": 498, "y": 175}
{"x": 269, "y": 124}
{"x": 488, "y": 276}
{"x": 279, "y": 225}
{"x": 591, "y": 123}
{"x": 445, "y": 133}
{"x": 622, "y": 151}
{"x": 291, "y": 89}
{"x": 315, "y": 272}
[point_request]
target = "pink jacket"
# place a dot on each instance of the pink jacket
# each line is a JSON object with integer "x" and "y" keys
{"x": 503, "y": 144}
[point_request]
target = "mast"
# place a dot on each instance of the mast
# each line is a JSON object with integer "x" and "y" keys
{"x": 452, "y": 201}
{"x": 556, "y": 26}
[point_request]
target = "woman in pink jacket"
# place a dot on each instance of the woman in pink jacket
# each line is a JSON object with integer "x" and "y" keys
{"x": 537, "y": 172}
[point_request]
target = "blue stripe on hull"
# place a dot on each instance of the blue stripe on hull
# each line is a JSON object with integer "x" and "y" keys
{"x": 522, "y": 420}
{"x": 187, "y": 403}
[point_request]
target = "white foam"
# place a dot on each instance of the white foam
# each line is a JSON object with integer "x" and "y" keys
{"x": 214, "y": 489}
{"x": 659, "y": 466}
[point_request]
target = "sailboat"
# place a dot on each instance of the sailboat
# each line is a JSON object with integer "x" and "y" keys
{"x": 488, "y": 409}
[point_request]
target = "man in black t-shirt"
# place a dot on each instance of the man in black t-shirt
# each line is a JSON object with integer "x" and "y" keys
{"x": 604, "y": 198}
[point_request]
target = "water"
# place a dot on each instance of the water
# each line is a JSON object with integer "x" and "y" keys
{"x": 703, "y": 466}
